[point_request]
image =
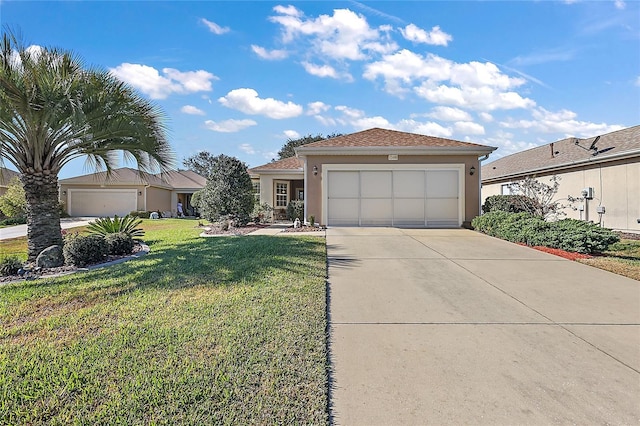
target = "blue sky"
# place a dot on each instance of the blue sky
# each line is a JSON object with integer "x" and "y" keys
{"x": 242, "y": 77}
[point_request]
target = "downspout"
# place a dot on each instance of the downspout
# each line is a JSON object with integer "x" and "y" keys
{"x": 306, "y": 194}
{"x": 480, "y": 160}
{"x": 145, "y": 198}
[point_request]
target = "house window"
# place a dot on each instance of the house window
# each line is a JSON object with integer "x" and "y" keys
{"x": 505, "y": 189}
{"x": 256, "y": 191}
{"x": 282, "y": 194}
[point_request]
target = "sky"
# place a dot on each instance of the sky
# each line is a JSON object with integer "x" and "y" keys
{"x": 243, "y": 77}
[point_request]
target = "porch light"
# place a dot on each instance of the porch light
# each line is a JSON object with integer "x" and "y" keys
{"x": 315, "y": 170}
{"x": 472, "y": 170}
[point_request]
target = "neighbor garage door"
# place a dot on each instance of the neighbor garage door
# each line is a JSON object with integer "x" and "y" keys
{"x": 419, "y": 198}
{"x": 102, "y": 202}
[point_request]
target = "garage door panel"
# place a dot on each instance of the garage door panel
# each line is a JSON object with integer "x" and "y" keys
{"x": 102, "y": 202}
{"x": 409, "y": 184}
{"x": 408, "y": 212}
{"x": 442, "y": 209}
{"x": 442, "y": 184}
{"x": 344, "y": 185}
{"x": 376, "y": 184}
{"x": 376, "y": 212}
{"x": 344, "y": 211}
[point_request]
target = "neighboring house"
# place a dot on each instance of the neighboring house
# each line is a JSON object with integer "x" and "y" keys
{"x": 606, "y": 168}
{"x": 379, "y": 177}
{"x": 6, "y": 176}
{"x": 127, "y": 190}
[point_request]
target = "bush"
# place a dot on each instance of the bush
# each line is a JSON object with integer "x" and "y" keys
{"x": 13, "y": 202}
{"x": 140, "y": 214}
{"x": 81, "y": 250}
{"x": 10, "y": 265}
{"x": 295, "y": 210}
{"x": 262, "y": 213}
{"x": 119, "y": 243}
{"x": 567, "y": 234}
{"x": 106, "y": 225}
{"x": 509, "y": 203}
{"x": 13, "y": 221}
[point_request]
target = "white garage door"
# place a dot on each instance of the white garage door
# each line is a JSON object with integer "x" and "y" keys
{"x": 102, "y": 202}
{"x": 418, "y": 198}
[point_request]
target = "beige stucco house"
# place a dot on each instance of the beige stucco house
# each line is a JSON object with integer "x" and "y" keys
{"x": 605, "y": 168}
{"x": 379, "y": 177}
{"x": 127, "y": 190}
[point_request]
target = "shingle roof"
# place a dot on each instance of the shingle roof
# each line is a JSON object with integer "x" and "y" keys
{"x": 377, "y": 137}
{"x": 290, "y": 164}
{"x": 174, "y": 179}
{"x": 566, "y": 154}
{"x": 6, "y": 175}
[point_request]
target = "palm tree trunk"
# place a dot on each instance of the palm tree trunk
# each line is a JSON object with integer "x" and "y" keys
{"x": 43, "y": 214}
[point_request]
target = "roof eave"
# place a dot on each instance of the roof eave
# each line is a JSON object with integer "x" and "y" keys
{"x": 386, "y": 150}
{"x": 563, "y": 166}
{"x": 276, "y": 171}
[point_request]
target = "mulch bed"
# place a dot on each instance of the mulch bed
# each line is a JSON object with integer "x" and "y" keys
{"x": 628, "y": 236}
{"x": 47, "y": 272}
{"x": 563, "y": 253}
{"x": 304, "y": 229}
{"x": 218, "y": 229}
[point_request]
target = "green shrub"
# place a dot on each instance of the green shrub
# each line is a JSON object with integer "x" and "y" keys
{"x": 10, "y": 265}
{"x": 567, "y": 234}
{"x": 81, "y": 250}
{"x": 262, "y": 213}
{"x": 295, "y": 210}
{"x": 509, "y": 203}
{"x": 13, "y": 202}
{"x": 10, "y": 221}
{"x": 119, "y": 243}
{"x": 140, "y": 214}
{"x": 107, "y": 225}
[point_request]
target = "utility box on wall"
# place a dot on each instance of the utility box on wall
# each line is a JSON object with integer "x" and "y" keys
{"x": 587, "y": 193}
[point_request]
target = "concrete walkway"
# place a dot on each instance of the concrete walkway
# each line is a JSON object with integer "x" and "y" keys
{"x": 21, "y": 230}
{"x": 454, "y": 327}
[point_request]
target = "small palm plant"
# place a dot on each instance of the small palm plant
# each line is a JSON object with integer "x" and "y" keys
{"x": 126, "y": 225}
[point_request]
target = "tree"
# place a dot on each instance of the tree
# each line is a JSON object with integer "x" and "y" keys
{"x": 13, "y": 202}
{"x": 228, "y": 191}
{"x": 52, "y": 110}
{"x": 200, "y": 163}
{"x": 538, "y": 197}
{"x": 288, "y": 150}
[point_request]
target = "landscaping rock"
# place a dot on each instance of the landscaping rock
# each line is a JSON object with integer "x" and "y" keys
{"x": 51, "y": 257}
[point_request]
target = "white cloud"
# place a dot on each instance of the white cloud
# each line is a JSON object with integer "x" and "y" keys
{"x": 271, "y": 55}
{"x": 468, "y": 128}
{"x": 620, "y": 4}
{"x": 320, "y": 70}
{"x": 435, "y": 37}
{"x": 291, "y": 134}
{"x": 449, "y": 114}
{"x": 344, "y": 35}
{"x": 486, "y": 116}
{"x": 247, "y": 148}
{"x": 247, "y": 101}
{"x": 474, "y": 85}
{"x": 228, "y": 126}
{"x": 190, "y": 109}
{"x": 215, "y": 28}
{"x": 542, "y": 57}
{"x": 563, "y": 122}
{"x": 149, "y": 81}
{"x": 429, "y": 128}
{"x": 314, "y": 108}
{"x": 637, "y": 83}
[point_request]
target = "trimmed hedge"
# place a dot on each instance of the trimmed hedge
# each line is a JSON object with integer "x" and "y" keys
{"x": 566, "y": 234}
{"x": 295, "y": 210}
{"x": 119, "y": 243}
{"x": 509, "y": 203}
{"x": 82, "y": 250}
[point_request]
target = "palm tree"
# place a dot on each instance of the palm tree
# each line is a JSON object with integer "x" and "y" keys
{"x": 53, "y": 110}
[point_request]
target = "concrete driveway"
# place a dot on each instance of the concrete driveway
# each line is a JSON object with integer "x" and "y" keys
{"x": 65, "y": 223}
{"x": 454, "y": 327}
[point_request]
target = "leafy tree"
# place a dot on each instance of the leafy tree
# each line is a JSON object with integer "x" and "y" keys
{"x": 200, "y": 163}
{"x": 538, "y": 197}
{"x": 53, "y": 110}
{"x": 228, "y": 191}
{"x": 288, "y": 150}
{"x": 13, "y": 203}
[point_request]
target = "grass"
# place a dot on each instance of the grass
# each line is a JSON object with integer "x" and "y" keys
{"x": 199, "y": 331}
{"x": 622, "y": 258}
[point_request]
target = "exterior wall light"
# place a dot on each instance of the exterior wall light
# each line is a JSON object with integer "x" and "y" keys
{"x": 315, "y": 170}
{"x": 472, "y": 171}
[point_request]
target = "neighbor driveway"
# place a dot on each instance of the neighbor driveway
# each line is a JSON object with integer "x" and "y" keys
{"x": 65, "y": 223}
{"x": 454, "y": 327}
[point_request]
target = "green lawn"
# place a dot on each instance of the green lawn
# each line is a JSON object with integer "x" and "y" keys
{"x": 622, "y": 258}
{"x": 200, "y": 331}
